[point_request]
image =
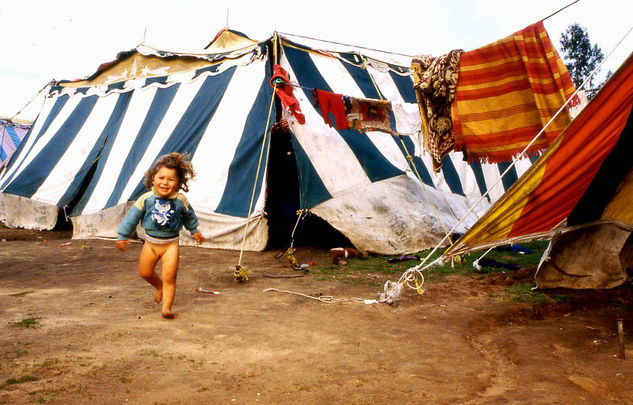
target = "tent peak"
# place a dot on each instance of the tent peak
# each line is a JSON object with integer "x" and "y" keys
{"x": 227, "y": 40}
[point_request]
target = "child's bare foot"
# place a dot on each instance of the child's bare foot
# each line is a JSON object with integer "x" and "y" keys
{"x": 168, "y": 314}
{"x": 159, "y": 295}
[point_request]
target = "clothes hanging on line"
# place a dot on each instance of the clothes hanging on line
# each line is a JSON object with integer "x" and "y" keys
{"x": 284, "y": 91}
{"x": 507, "y": 92}
{"x": 348, "y": 112}
{"x": 435, "y": 81}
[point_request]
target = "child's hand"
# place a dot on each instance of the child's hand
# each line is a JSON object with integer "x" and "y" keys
{"x": 198, "y": 237}
{"x": 122, "y": 244}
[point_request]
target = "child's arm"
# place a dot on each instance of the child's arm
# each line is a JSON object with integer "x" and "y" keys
{"x": 128, "y": 224}
{"x": 190, "y": 220}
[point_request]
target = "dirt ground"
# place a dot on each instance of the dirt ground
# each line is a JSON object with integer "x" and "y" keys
{"x": 77, "y": 325}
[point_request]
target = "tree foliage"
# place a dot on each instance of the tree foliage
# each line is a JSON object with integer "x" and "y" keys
{"x": 580, "y": 56}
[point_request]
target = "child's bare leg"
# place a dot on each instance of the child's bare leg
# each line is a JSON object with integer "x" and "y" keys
{"x": 169, "y": 261}
{"x": 146, "y": 266}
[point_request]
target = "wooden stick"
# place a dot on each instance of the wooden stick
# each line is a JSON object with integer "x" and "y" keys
{"x": 621, "y": 335}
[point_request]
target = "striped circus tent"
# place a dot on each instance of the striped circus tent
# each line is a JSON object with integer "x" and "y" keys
{"x": 94, "y": 139}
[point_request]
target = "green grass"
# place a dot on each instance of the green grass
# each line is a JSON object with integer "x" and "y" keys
{"x": 13, "y": 381}
{"x": 376, "y": 270}
{"x": 27, "y": 323}
{"x": 523, "y": 293}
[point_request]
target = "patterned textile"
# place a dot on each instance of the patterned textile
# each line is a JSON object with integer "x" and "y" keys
{"x": 368, "y": 115}
{"x": 434, "y": 81}
{"x": 362, "y": 114}
{"x": 285, "y": 93}
{"x": 506, "y": 93}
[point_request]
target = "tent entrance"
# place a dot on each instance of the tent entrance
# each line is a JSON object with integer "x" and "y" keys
{"x": 282, "y": 202}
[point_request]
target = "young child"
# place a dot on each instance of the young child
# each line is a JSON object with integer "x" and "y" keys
{"x": 162, "y": 212}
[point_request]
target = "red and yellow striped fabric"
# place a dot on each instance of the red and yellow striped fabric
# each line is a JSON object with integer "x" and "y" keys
{"x": 507, "y": 92}
{"x": 548, "y": 192}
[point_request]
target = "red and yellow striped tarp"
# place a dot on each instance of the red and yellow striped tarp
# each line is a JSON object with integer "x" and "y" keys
{"x": 548, "y": 192}
{"x": 507, "y": 92}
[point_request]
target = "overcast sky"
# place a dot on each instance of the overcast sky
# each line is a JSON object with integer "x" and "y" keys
{"x": 69, "y": 39}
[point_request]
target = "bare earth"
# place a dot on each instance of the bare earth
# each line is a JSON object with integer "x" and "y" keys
{"x": 100, "y": 338}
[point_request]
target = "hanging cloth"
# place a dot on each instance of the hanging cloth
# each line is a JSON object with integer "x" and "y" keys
{"x": 285, "y": 93}
{"x": 362, "y": 114}
{"x": 434, "y": 81}
{"x": 366, "y": 114}
{"x": 506, "y": 92}
{"x": 329, "y": 102}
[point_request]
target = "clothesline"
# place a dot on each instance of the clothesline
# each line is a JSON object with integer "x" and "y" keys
{"x": 374, "y": 129}
{"x": 397, "y": 53}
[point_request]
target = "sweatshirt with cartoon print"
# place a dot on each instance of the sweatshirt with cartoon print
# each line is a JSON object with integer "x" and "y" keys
{"x": 161, "y": 217}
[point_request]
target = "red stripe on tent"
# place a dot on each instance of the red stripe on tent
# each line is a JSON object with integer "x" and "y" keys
{"x": 584, "y": 147}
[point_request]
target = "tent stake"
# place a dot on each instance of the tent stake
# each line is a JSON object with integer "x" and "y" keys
{"x": 621, "y": 336}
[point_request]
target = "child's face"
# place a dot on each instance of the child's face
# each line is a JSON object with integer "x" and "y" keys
{"x": 165, "y": 181}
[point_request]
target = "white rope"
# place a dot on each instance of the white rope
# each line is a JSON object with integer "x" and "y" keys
{"x": 476, "y": 262}
{"x": 326, "y": 299}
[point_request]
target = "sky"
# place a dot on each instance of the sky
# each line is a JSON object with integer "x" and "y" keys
{"x": 68, "y": 39}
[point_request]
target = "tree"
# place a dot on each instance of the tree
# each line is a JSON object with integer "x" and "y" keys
{"x": 580, "y": 56}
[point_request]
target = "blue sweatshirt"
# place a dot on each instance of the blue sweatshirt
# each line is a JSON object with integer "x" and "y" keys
{"x": 161, "y": 217}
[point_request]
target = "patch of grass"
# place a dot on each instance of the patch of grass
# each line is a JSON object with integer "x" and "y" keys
{"x": 23, "y": 379}
{"x": 44, "y": 396}
{"x": 524, "y": 293}
{"x": 375, "y": 270}
{"x": 27, "y": 323}
{"x": 21, "y": 294}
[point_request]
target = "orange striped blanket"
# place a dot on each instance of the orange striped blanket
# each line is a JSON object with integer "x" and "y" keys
{"x": 507, "y": 92}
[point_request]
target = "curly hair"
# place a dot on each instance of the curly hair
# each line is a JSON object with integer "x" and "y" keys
{"x": 176, "y": 161}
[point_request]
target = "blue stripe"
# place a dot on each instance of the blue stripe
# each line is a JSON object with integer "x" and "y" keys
{"x": 99, "y": 153}
{"x": 451, "y": 176}
{"x": 361, "y": 77}
{"x": 14, "y": 135}
{"x": 59, "y": 104}
{"x": 2, "y": 155}
{"x": 480, "y": 178}
{"x": 243, "y": 169}
{"x": 405, "y": 87}
{"x": 114, "y": 86}
{"x": 312, "y": 191}
{"x": 417, "y": 161}
{"x": 375, "y": 165}
{"x": 210, "y": 69}
{"x": 158, "y": 79}
{"x": 509, "y": 179}
{"x": 189, "y": 131}
{"x": 155, "y": 114}
{"x": 32, "y": 177}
